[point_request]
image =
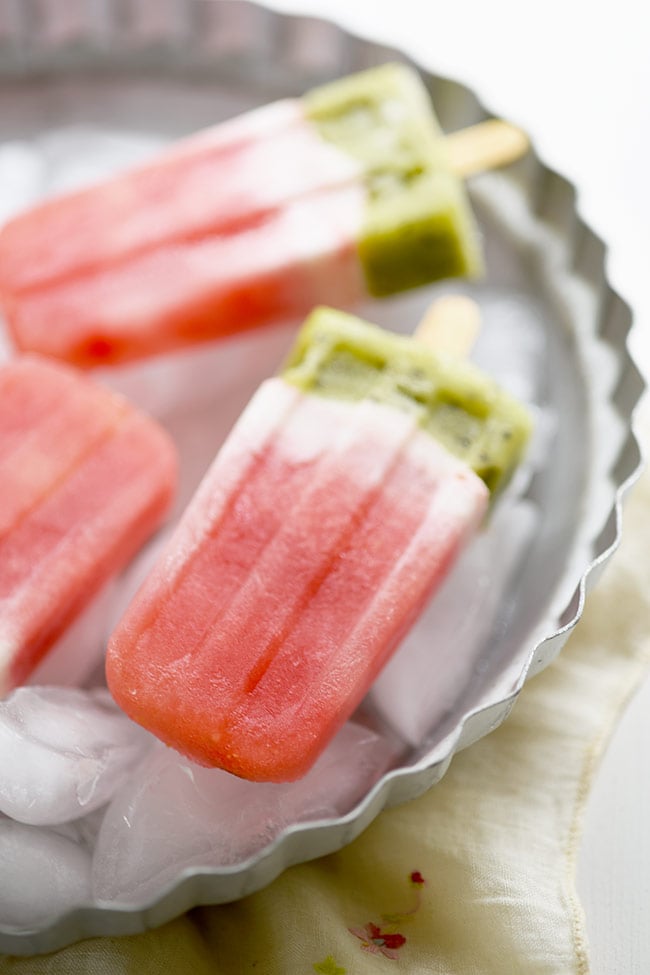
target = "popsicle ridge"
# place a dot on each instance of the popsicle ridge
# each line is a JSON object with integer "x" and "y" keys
{"x": 331, "y": 655}
{"x": 29, "y": 468}
{"x": 63, "y": 564}
{"x": 248, "y": 538}
{"x": 84, "y": 480}
{"x": 216, "y": 526}
{"x": 351, "y": 467}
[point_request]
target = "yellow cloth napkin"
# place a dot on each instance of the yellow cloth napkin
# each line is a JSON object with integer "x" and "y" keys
{"x": 474, "y": 878}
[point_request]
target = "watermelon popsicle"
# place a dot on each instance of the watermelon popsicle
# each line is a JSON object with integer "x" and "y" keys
{"x": 344, "y": 193}
{"x": 327, "y": 520}
{"x": 84, "y": 480}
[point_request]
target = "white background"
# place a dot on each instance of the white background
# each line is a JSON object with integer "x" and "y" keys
{"x": 576, "y": 75}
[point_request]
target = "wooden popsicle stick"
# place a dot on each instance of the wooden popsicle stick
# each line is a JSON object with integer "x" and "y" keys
{"x": 485, "y": 146}
{"x": 450, "y": 326}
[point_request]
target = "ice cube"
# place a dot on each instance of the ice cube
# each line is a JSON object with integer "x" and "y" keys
{"x": 545, "y": 426}
{"x": 63, "y": 752}
{"x": 43, "y": 875}
{"x": 512, "y": 347}
{"x": 174, "y": 814}
{"x": 82, "y": 831}
{"x": 79, "y": 651}
{"x": 22, "y": 178}
{"x": 424, "y": 679}
{"x": 130, "y": 580}
{"x": 78, "y": 156}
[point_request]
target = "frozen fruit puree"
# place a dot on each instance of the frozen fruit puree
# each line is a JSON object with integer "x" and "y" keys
{"x": 84, "y": 480}
{"x": 340, "y": 194}
{"x": 327, "y": 520}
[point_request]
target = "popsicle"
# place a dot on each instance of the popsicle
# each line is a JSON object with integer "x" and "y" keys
{"x": 84, "y": 480}
{"x": 344, "y": 193}
{"x": 329, "y": 517}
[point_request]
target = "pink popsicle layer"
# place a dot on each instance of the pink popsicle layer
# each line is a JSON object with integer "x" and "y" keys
{"x": 250, "y": 222}
{"x": 191, "y": 291}
{"x": 84, "y": 480}
{"x": 309, "y": 549}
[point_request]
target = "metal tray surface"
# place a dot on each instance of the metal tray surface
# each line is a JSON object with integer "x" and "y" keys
{"x": 162, "y": 70}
